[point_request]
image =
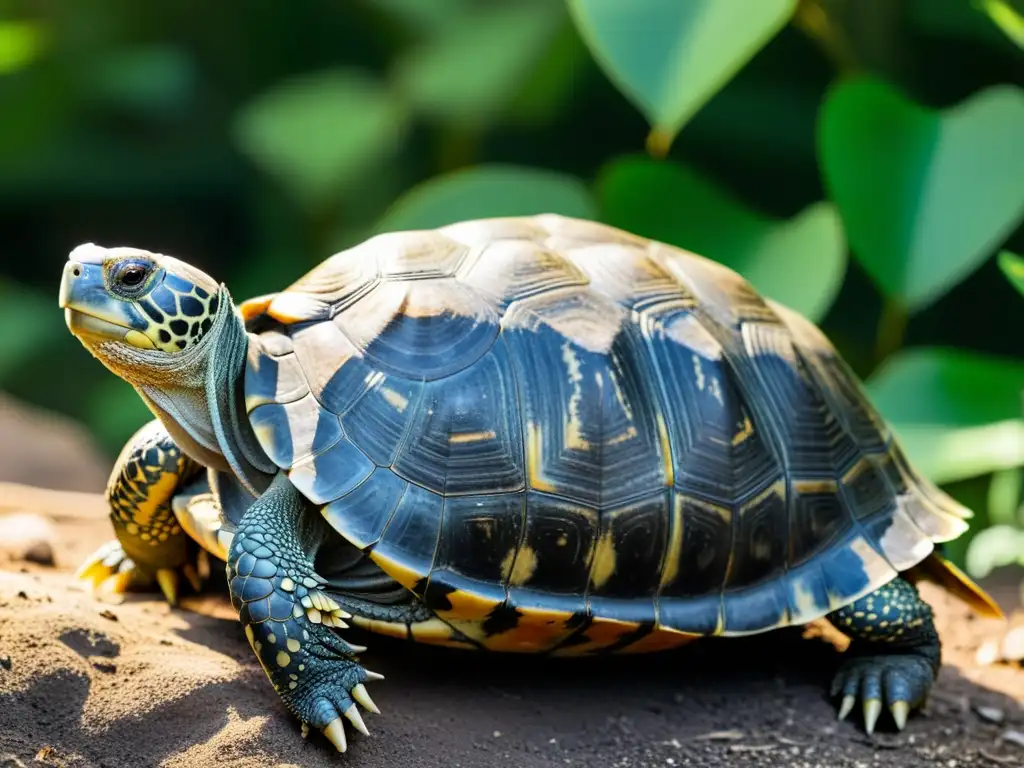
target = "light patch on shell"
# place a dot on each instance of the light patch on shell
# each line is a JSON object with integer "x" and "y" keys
{"x": 687, "y": 330}
{"x": 903, "y": 543}
{"x": 604, "y": 562}
{"x": 586, "y": 319}
{"x": 419, "y": 255}
{"x": 572, "y": 437}
{"x": 523, "y": 565}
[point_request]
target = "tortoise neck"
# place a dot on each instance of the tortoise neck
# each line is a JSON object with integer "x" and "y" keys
{"x": 202, "y": 404}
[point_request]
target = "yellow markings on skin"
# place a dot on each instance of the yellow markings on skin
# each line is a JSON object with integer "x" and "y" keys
{"x": 395, "y": 399}
{"x": 661, "y": 639}
{"x": 523, "y": 567}
{"x": 603, "y": 566}
{"x": 535, "y": 458}
{"x": 140, "y": 340}
{"x": 271, "y": 638}
{"x": 292, "y": 685}
{"x": 746, "y": 430}
{"x": 132, "y": 528}
{"x": 293, "y": 645}
{"x": 471, "y": 437}
{"x": 157, "y": 495}
{"x": 283, "y": 659}
{"x": 249, "y": 635}
{"x": 670, "y": 566}
{"x": 287, "y": 584}
{"x": 572, "y": 436}
{"x": 666, "y": 451}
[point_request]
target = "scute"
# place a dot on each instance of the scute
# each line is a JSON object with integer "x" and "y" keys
{"x": 567, "y": 438}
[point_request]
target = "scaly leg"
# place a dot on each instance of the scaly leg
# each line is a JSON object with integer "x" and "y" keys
{"x": 288, "y": 617}
{"x": 895, "y": 653}
{"x": 150, "y": 543}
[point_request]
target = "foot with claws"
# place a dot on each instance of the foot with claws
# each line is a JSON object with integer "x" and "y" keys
{"x": 151, "y": 544}
{"x": 894, "y": 655}
{"x": 290, "y": 621}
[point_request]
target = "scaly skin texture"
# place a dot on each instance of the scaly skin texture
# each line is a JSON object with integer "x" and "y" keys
{"x": 150, "y": 542}
{"x": 894, "y": 656}
{"x": 287, "y": 617}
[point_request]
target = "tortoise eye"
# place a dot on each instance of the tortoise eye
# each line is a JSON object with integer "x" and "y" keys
{"x": 132, "y": 275}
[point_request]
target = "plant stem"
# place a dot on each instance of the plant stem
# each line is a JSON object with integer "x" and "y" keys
{"x": 814, "y": 21}
{"x": 892, "y": 325}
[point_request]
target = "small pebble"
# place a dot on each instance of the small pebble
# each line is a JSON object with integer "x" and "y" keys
{"x": 5, "y": 662}
{"x": 28, "y": 537}
{"x": 991, "y": 714}
{"x": 10, "y": 761}
{"x": 108, "y": 614}
{"x": 1014, "y": 737}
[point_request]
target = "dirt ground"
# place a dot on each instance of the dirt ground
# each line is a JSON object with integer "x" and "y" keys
{"x": 83, "y": 683}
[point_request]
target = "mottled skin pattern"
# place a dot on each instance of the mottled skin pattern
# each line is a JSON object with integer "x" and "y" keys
{"x": 150, "y": 543}
{"x": 287, "y": 617}
{"x": 532, "y": 435}
{"x": 895, "y": 654}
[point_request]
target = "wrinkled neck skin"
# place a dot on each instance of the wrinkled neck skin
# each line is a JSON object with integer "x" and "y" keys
{"x": 198, "y": 396}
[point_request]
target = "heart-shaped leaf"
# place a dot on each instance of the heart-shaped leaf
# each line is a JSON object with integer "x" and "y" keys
{"x": 925, "y": 195}
{"x": 957, "y": 414}
{"x": 800, "y": 262}
{"x": 1013, "y": 267}
{"x": 670, "y": 57}
{"x": 485, "y": 191}
{"x": 318, "y": 133}
{"x": 476, "y": 64}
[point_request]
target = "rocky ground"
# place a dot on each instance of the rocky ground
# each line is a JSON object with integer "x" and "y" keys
{"x": 84, "y": 683}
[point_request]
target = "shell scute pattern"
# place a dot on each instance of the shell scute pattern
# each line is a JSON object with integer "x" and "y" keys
{"x": 562, "y": 436}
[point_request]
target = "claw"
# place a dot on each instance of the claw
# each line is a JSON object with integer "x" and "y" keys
{"x": 847, "y": 706}
{"x": 305, "y": 730}
{"x": 189, "y": 571}
{"x": 335, "y": 732}
{"x": 352, "y": 713}
{"x": 900, "y": 710}
{"x": 116, "y": 584}
{"x": 360, "y": 695}
{"x": 872, "y": 709}
{"x": 167, "y": 578}
{"x": 90, "y": 570}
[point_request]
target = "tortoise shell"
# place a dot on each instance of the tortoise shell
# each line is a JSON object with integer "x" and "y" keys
{"x": 564, "y": 437}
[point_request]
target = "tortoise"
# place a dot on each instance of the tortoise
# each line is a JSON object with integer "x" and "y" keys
{"x": 529, "y": 434}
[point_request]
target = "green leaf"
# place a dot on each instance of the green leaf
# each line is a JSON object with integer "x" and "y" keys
{"x": 1005, "y": 501}
{"x": 925, "y": 195}
{"x": 670, "y": 57}
{"x": 1006, "y": 17}
{"x": 21, "y": 43}
{"x": 993, "y": 548}
{"x": 475, "y": 66}
{"x": 1013, "y": 267}
{"x": 800, "y": 262}
{"x": 320, "y": 133}
{"x": 485, "y": 191}
{"x": 957, "y": 414}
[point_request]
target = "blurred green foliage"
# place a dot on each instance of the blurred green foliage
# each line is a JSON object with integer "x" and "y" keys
{"x": 858, "y": 160}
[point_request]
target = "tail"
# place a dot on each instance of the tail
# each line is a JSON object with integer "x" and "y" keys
{"x": 938, "y": 570}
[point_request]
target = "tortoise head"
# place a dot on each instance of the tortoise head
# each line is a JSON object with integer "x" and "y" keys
{"x": 136, "y": 301}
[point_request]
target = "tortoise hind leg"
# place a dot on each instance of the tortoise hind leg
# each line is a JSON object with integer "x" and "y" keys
{"x": 894, "y": 656}
{"x": 288, "y": 618}
{"x": 150, "y": 543}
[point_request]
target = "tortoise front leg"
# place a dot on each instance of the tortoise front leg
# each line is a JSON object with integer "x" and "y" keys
{"x": 150, "y": 544}
{"x": 288, "y": 618}
{"x": 894, "y": 656}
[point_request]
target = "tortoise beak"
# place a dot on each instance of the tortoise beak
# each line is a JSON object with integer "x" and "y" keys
{"x": 90, "y": 312}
